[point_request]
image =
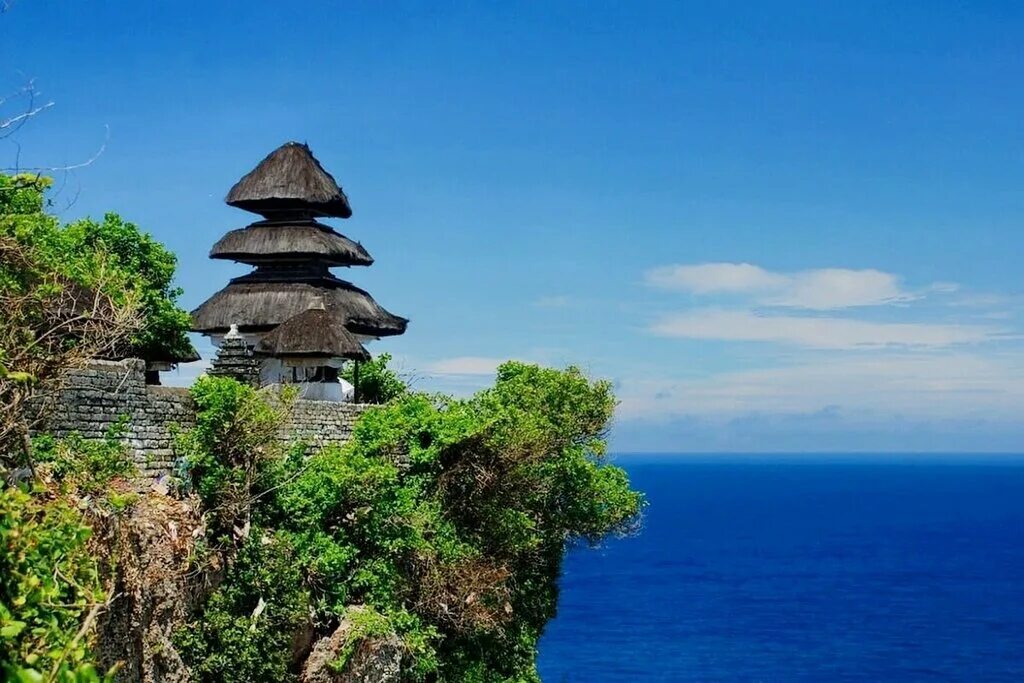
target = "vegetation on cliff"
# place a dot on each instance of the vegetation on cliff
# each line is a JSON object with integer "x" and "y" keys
{"x": 445, "y": 520}
{"x": 68, "y": 293}
{"x": 51, "y": 580}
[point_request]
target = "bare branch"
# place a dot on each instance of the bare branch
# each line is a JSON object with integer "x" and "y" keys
{"x": 11, "y": 123}
{"x": 56, "y": 169}
{"x": 16, "y": 122}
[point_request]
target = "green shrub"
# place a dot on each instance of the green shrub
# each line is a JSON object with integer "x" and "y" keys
{"x": 245, "y": 631}
{"x": 377, "y": 382}
{"x": 129, "y": 263}
{"x": 86, "y": 465}
{"x": 49, "y": 583}
{"x": 447, "y": 519}
{"x": 230, "y": 454}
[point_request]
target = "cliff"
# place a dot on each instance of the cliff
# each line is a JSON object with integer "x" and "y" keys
{"x": 419, "y": 540}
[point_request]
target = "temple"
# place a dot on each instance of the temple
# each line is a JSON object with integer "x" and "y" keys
{"x": 291, "y": 320}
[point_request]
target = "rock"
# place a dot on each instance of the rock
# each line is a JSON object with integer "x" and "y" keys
{"x": 376, "y": 659}
{"x": 148, "y": 550}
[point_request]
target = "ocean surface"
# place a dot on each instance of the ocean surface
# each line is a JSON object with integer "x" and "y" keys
{"x": 768, "y": 568}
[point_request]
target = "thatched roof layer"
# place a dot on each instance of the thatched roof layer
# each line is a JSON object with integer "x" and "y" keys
{"x": 290, "y": 181}
{"x": 262, "y": 305}
{"x": 290, "y": 240}
{"x": 314, "y": 333}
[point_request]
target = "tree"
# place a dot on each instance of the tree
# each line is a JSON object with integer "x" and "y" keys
{"x": 70, "y": 293}
{"x": 444, "y": 520}
{"x": 376, "y": 382}
{"x": 163, "y": 335}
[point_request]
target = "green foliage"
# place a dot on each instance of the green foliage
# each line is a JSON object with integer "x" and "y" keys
{"x": 49, "y": 582}
{"x": 447, "y": 519}
{"x": 230, "y": 453}
{"x": 246, "y": 629}
{"x": 112, "y": 255}
{"x": 377, "y": 382}
{"x": 364, "y": 623}
{"x": 86, "y": 465}
{"x": 164, "y": 335}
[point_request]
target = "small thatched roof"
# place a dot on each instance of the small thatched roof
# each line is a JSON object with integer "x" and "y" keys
{"x": 314, "y": 333}
{"x": 257, "y": 305}
{"x": 290, "y": 240}
{"x": 189, "y": 355}
{"x": 290, "y": 180}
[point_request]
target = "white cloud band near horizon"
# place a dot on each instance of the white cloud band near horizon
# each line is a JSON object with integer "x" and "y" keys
{"x": 912, "y": 385}
{"x": 817, "y": 332}
{"x": 816, "y": 289}
{"x": 464, "y": 365}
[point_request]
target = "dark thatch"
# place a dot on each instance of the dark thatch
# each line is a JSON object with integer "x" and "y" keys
{"x": 314, "y": 333}
{"x": 290, "y": 181}
{"x": 260, "y": 305}
{"x": 188, "y": 356}
{"x": 297, "y": 240}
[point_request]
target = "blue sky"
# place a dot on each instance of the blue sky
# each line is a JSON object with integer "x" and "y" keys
{"x": 790, "y": 226}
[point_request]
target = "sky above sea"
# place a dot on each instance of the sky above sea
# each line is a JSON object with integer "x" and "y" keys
{"x": 774, "y": 226}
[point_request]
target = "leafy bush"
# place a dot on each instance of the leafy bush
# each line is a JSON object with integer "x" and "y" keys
{"x": 164, "y": 334}
{"x": 86, "y": 465}
{"x": 49, "y": 584}
{"x": 112, "y": 255}
{"x": 247, "y": 627}
{"x": 448, "y": 519}
{"x": 231, "y": 451}
{"x": 377, "y": 382}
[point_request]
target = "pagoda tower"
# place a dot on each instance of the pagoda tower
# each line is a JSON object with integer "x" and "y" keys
{"x": 292, "y": 253}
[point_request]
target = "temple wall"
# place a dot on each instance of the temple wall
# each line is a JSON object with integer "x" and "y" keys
{"x": 99, "y": 396}
{"x": 322, "y": 422}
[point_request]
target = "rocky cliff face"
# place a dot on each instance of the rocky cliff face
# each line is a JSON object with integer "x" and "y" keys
{"x": 153, "y": 586}
{"x": 158, "y": 576}
{"x": 370, "y": 660}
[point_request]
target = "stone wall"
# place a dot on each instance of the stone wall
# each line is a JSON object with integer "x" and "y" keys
{"x": 97, "y": 397}
{"x": 322, "y": 422}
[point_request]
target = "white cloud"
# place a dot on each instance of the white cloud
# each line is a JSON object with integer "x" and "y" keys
{"x": 816, "y": 332}
{"x": 940, "y": 385}
{"x": 557, "y": 301}
{"x": 465, "y": 365}
{"x": 819, "y": 289}
{"x": 709, "y": 278}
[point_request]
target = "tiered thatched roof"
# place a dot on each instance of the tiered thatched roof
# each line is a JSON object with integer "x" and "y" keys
{"x": 290, "y": 180}
{"x": 293, "y": 253}
{"x": 296, "y": 240}
{"x": 314, "y": 333}
{"x": 258, "y": 306}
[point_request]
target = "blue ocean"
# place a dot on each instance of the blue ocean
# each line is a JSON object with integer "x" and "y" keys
{"x": 769, "y": 568}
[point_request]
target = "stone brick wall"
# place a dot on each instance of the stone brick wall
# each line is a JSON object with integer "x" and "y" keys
{"x": 97, "y": 397}
{"x": 322, "y": 422}
{"x": 100, "y": 395}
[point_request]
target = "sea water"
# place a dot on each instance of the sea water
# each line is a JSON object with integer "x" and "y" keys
{"x": 803, "y": 568}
